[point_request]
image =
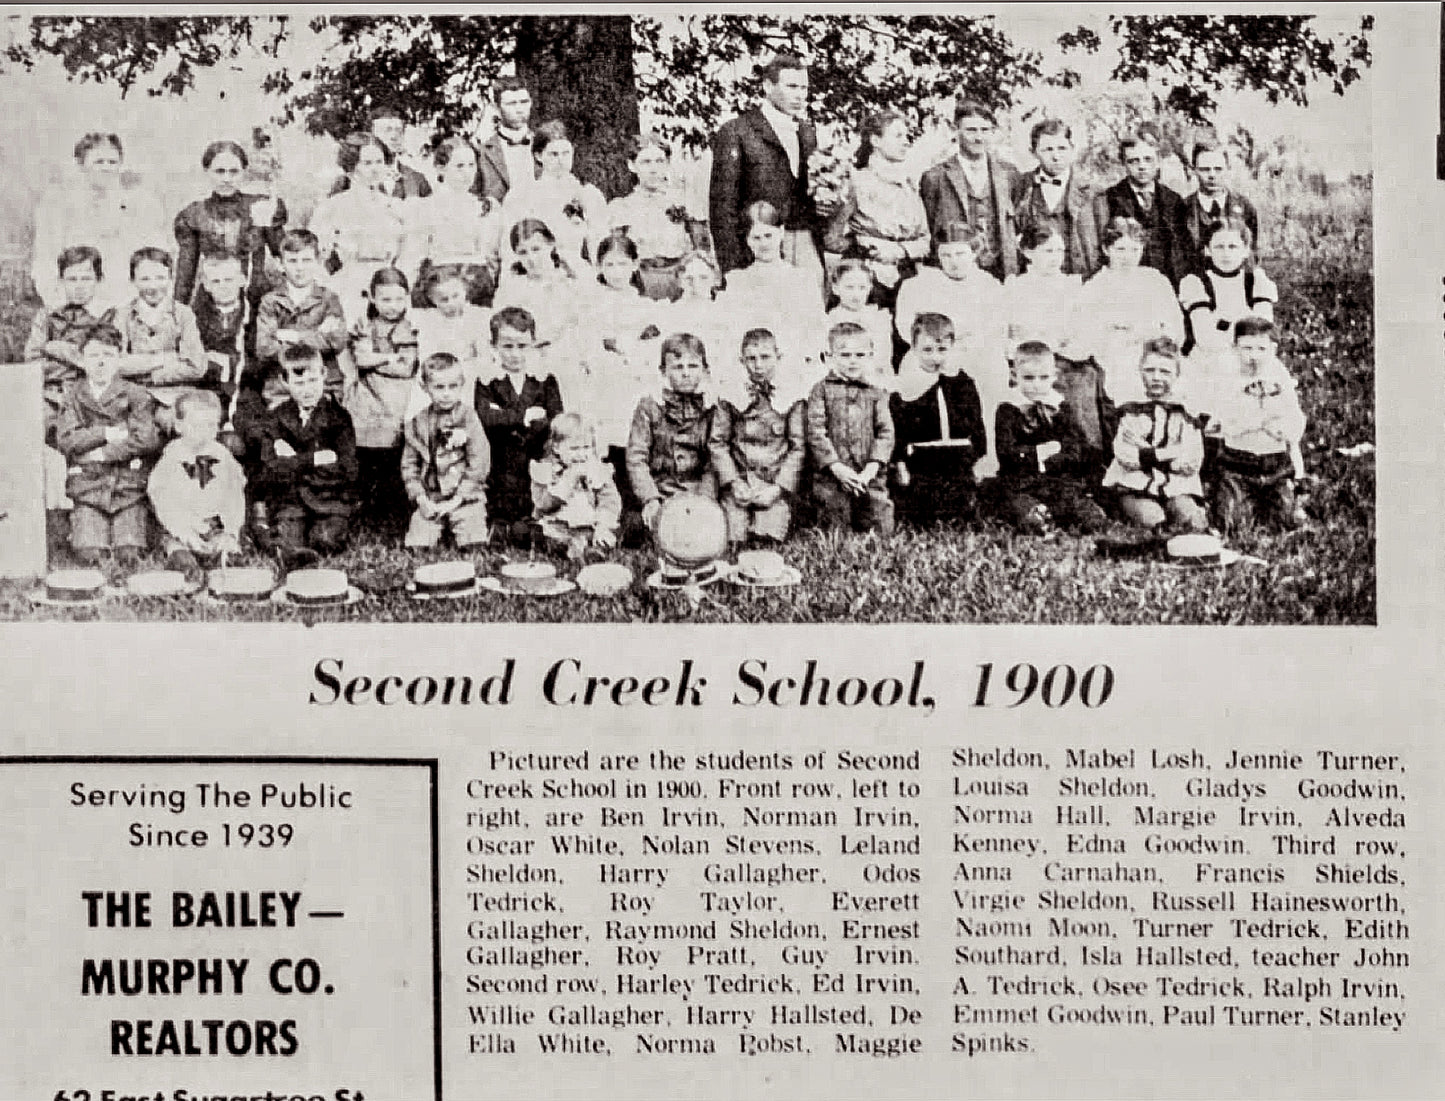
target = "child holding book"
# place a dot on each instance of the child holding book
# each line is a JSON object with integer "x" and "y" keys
{"x": 938, "y": 421}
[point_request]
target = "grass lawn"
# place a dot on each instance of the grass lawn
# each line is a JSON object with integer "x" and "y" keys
{"x": 1322, "y": 574}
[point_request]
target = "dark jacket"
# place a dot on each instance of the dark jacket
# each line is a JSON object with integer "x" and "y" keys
{"x": 221, "y": 336}
{"x": 1166, "y": 246}
{"x": 1077, "y": 219}
{"x": 917, "y": 422}
{"x": 115, "y": 478}
{"x": 1198, "y": 224}
{"x": 944, "y": 189}
{"x": 410, "y": 184}
{"x": 758, "y": 444}
{"x": 494, "y": 180}
{"x": 329, "y": 489}
{"x": 749, "y": 165}
{"x": 667, "y": 448}
{"x": 1018, "y": 433}
{"x": 515, "y": 445}
{"x": 223, "y": 224}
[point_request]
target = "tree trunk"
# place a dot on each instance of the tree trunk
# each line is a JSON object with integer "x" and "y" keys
{"x": 579, "y": 69}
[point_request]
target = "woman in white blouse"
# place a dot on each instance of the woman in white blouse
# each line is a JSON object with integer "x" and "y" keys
{"x": 455, "y": 226}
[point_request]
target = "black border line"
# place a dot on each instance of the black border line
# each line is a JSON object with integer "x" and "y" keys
{"x": 429, "y": 763}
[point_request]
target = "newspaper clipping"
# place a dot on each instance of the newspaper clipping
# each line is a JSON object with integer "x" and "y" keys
{"x": 806, "y": 553}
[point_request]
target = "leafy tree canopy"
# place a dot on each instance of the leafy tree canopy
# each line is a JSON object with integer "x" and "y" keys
{"x": 688, "y": 72}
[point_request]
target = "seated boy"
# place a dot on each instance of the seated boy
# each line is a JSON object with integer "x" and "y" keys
{"x": 757, "y": 446}
{"x": 197, "y": 490}
{"x": 162, "y": 344}
{"x": 516, "y": 407}
{"x": 445, "y": 459}
{"x": 850, "y": 435}
{"x": 300, "y": 312}
{"x": 107, "y": 432}
{"x": 667, "y": 446}
{"x": 1261, "y": 424}
{"x": 938, "y": 420}
{"x": 305, "y": 479}
{"x": 56, "y": 338}
{"x": 1045, "y": 464}
{"x": 1159, "y": 449}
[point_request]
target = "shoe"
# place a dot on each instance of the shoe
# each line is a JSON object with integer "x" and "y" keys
{"x": 127, "y": 559}
{"x": 184, "y": 561}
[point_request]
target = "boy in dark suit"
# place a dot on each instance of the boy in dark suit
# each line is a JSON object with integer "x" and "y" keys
{"x": 1213, "y": 202}
{"x": 516, "y": 410}
{"x": 976, "y": 188}
{"x": 1054, "y": 193}
{"x": 1159, "y": 209}
{"x": 305, "y": 481}
{"x": 506, "y": 160}
{"x": 762, "y": 156}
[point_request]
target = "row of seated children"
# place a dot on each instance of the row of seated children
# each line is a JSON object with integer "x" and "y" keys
{"x": 848, "y": 429}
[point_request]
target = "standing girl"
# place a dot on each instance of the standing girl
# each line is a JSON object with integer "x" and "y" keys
{"x": 541, "y": 281}
{"x": 361, "y": 229}
{"x": 229, "y": 220}
{"x": 457, "y": 225}
{"x": 618, "y": 341}
{"x": 772, "y": 294}
{"x": 882, "y": 220}
{"x": 656, "y": 218}
{"x": 973, "y": 300}
{"x": 380, "y": 378}
{"x": 1123, "y": 307}
{"x": 575, "y": 211}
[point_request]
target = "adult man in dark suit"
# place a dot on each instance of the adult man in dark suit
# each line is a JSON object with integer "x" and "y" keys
{"x": 977, "y": 188}
{"x": 762, "y": 156}
{"x": 1055, "y": 194}
{"x": 1159, "y": 209}
{"x": 506, "y": 160}
{"x": 1213, "y": 202}
{"x": 388, "y": 127}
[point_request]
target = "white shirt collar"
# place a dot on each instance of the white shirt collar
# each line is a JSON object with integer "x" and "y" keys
{"x": 784, "y": 124}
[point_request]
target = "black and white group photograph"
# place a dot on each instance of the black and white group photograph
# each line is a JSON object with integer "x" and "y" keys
{"x": 1055, "y": 316}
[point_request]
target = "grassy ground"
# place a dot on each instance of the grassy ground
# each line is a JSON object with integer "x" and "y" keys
{"x": 1323, "y": 574}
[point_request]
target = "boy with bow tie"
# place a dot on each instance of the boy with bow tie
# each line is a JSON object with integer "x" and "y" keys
{"x": 757, "y": 444}
{"x": 1213, "y": 202}
{"x": 197, "y": 489}
{"x": 1054, "y": 193}
{"x": 1045, "y": 462}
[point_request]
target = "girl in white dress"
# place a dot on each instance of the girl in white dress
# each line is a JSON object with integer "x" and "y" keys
{"x": 363, "y": 227}
{"x": 456, "y": 225}
{"x": 1121, "y": 308}
{"x": 576, "y": 212}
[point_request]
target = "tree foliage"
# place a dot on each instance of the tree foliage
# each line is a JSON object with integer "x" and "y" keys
{"x": 687, "y": 72}
{"x": 1191, "y": 59}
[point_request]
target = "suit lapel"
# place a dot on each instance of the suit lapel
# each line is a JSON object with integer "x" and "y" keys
{"x": 497, "y": 159}
{"x": 764, "y": 130}
{"x": 953, "y": 172}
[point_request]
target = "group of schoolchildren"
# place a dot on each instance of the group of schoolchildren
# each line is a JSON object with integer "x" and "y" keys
{"x": 564, "y": 413}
